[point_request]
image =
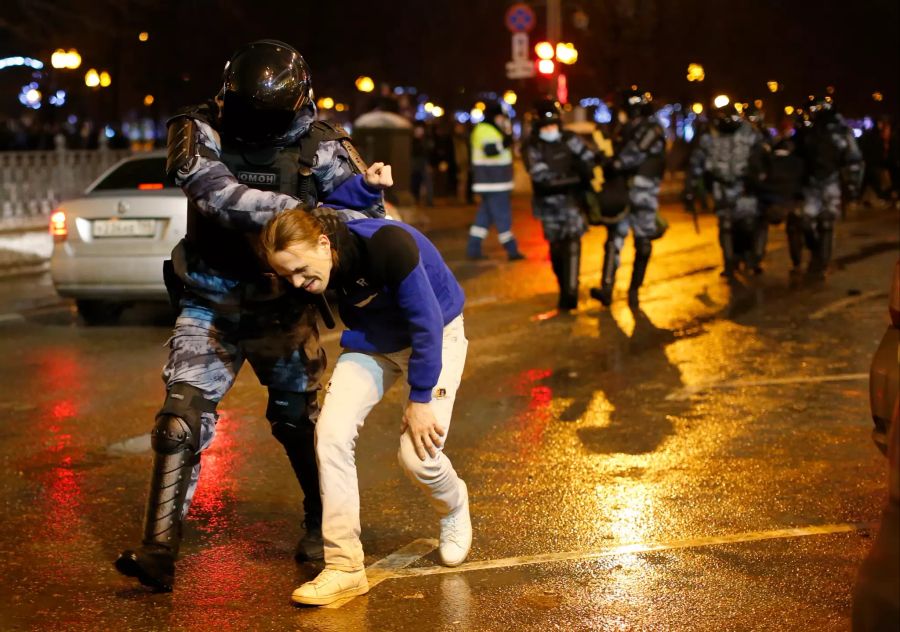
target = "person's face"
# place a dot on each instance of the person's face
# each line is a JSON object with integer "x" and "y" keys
{"x": 303, "y": 266}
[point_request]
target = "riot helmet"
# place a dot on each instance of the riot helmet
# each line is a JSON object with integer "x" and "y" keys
{"x": 266, "y": 86}
{"x": 726, "y": 115}
{"x": 546, "y": 113}
{"x": 821, "y": 109}
{"x": 635, "y": 102}
{"x": 754, "y": 115}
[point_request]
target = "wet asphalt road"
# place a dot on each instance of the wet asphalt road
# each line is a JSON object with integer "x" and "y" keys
{"x": 702, "y": 428}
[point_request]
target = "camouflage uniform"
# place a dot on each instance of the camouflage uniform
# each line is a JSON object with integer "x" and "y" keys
{"x": 226, "y": 318}
{"x": 558, "y": 169}
{"x": 733, "y": 161}
{"x": 639, "y": 153}
{"x": 831, "y": 157}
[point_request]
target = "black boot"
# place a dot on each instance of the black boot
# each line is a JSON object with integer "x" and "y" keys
{"x": 604, "y": 293}
{"x": 643, "y": 247}
{"x": 153, "y": 564}
{"x": 568, "y": 279}
{"x": 176, "y": 443}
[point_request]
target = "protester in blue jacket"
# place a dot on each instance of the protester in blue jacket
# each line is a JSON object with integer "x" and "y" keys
{"x": 402, "y": 308}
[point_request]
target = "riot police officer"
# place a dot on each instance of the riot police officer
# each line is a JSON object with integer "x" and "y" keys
{"x": 831, "y": 157}
{"x": 560, "y": 166}
{"x": 639, "y": 153}
{"x": 732, "y": 157}
{"x": 260, "y": 131}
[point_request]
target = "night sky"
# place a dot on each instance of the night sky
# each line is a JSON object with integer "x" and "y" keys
{"x": 453, "y": 50}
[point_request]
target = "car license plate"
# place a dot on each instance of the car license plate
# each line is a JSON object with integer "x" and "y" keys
{"x": 123, "y": 228}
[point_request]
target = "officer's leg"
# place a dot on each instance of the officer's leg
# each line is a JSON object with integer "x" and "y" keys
{"x": 556, "y": 260}
{"x": 201, "y": 368}
{"x": 643, "y": 247}
{"x": 795, "y": 237}
{"x": 760, "y": 242}
{"x": 479, "y": 228}
{"x": 725, "y": 214}
{"x": 502, "y": 215}
{"x": 283, "y": 348}
{"x": 612, "y": 249}
{"x": 568, "y": 282}
{"x": 645, "y": 206}
{"x": 812, "y": 209}
{"x": 831, "y": 201}
{"x": 293, "y": 418}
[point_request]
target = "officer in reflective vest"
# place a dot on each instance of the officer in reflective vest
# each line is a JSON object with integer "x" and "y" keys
{"x": 492, "y": 179}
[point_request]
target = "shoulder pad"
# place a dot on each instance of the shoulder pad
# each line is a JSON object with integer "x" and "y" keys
{"x": 181, "y": 144}
{"x": 206, "y": 112}
{"x": 323, "y": 130}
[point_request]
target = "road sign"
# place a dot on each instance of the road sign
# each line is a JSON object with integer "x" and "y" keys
{"x": 519, "y": 46}
{"x": 520, "y": 69}
{"x": 520, "y": 18}
{"x": 521, "y": 66}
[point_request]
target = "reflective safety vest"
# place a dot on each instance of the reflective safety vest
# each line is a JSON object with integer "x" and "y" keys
{"x": 490, "y": 173}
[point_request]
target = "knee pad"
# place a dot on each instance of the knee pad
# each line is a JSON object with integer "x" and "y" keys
{"x": 178, "y": 422}
{"x": 643, "y": 247}
{"x": 292, "y": 416}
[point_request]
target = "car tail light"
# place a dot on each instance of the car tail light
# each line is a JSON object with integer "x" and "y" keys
{"x": 150, "y": 186}
{"x": 894, "y": 301}
{"x": 58, "y": 227}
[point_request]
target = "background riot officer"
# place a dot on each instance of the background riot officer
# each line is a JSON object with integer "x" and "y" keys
{"x": 831, "y": 156}
{"x": 731, "y": 156}
{"x": 260, "y": 130}
{"x": 560, "y": 165}
{"x": 639, "y": 153}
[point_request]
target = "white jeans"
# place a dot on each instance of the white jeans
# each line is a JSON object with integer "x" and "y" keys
{"x": 358, "y": 383}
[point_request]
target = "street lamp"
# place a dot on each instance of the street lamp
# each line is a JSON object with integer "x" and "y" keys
{"x": 105, "y": 79}
{"x": 544, "y": 50}
{"x": 566, "y": 53}
{"x": 65, "y": 59}
{"x": 695, "y": 72}
{"x": 510, "y": 97}
{"x": 877, "y": 96}
{"x": 546, "y": 66}
{"x": 788, "y": 109}
{"x": 773, "y": 86}
{"x": 148, "y": 100}
{"x": 697, "y": 108}
{"x": 437, "y": 111}
{"x": 143, "y": 36}
{"x": 92, "y": 78}
{"x": 721, "y": 101}
{"x": 325, "y": 103}
{"x": 365, "y": 84}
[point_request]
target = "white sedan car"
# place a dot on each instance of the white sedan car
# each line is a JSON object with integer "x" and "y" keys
{"x": 110, "y": 244}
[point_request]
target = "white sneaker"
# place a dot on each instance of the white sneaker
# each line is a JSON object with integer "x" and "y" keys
{"x": 456, "y": 531}
{"x": 331, "y": 585}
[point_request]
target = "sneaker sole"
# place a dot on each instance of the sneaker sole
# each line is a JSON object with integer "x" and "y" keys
{"x": 324, "y": 601}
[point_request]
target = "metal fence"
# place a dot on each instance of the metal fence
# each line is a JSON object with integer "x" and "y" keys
{"x": 33, "y": 182}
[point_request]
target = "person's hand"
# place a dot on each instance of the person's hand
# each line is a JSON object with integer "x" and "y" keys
{"x": 423, "y": 428}
{"x": 378, "y": 176}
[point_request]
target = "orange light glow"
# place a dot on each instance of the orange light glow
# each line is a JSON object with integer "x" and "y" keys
{"x": 58, "y": 227}
{"x": 150, "y": 186}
